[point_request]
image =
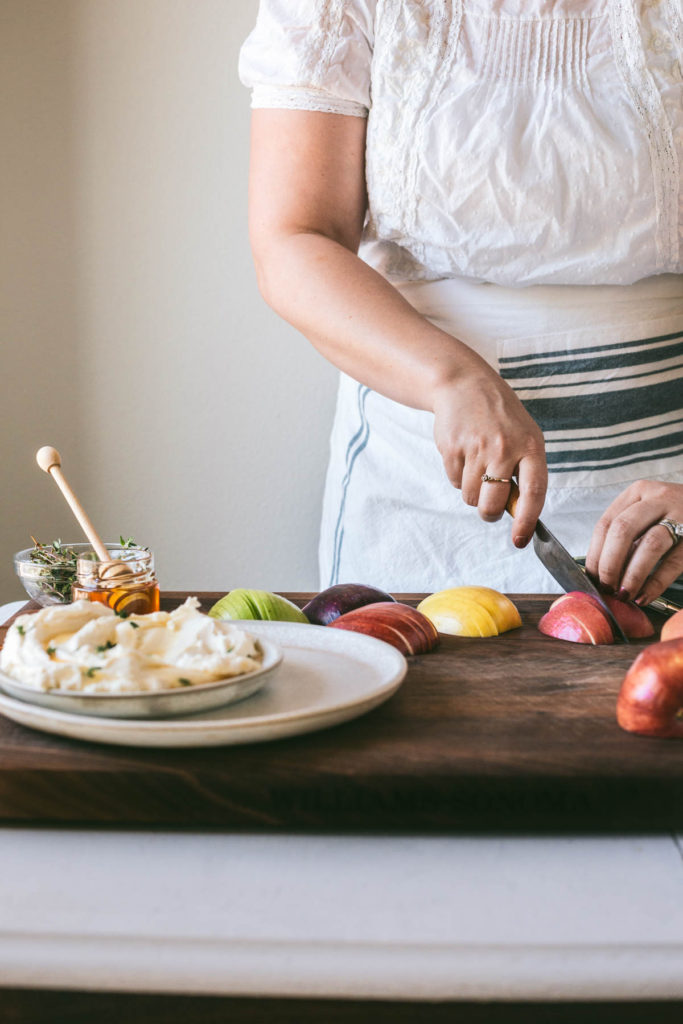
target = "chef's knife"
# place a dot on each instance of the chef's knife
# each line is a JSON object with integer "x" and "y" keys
{"x": 660, "y": 604}
{"x": 561, "y": 565}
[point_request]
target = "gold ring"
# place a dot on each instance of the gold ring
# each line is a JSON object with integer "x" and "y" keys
{"x": 675, "y": 529}
{"x": 486, "y": 479}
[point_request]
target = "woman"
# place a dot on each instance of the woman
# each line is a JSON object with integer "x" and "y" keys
{"x": 473, "y": 209}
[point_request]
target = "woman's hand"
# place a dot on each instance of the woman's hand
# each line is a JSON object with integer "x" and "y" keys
{"x": 482, "y": 427}
{"x": 632, "y": 554}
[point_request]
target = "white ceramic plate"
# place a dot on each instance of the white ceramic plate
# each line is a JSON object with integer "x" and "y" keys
{"x": 327, "y": 676}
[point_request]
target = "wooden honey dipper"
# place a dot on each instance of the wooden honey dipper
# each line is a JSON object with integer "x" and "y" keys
{"x": 49, "y": 459}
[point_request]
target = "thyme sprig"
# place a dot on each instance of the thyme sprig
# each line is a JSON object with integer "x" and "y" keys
{"x": 59, "y": 572}
{"x": 59, "y": 566}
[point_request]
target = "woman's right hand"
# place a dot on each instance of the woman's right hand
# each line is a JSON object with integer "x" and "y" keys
{"x": 307, "y": 210}
{"x": 482, "y": 427}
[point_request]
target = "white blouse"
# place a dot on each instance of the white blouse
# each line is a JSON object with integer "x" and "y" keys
{"x": 517, "y": 142}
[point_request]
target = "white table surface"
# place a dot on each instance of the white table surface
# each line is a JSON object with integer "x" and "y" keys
{"x": 409, "y": 917}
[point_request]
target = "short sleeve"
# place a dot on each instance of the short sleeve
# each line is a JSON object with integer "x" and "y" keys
{"x": 310, "y": 55}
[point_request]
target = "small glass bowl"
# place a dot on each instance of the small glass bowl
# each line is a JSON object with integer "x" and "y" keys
{"x": 52, "y": 584}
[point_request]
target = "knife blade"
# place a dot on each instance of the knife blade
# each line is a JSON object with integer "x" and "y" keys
{"x": 561, "y": 565}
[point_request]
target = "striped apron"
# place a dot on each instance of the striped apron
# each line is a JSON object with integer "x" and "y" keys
{"x": 599, "y": 368}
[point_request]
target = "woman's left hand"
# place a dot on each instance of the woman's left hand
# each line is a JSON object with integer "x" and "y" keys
{"x": 630, "y": 553}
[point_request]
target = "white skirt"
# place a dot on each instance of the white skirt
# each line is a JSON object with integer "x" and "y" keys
{"x": 599, "y": 368}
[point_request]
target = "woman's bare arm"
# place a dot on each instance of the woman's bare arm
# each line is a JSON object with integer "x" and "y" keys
{"x": 307, "y": 208}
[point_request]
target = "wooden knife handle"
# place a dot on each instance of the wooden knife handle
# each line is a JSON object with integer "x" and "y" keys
{"x": 513, "y": 498}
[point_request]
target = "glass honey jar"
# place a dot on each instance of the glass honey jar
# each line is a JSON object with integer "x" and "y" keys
{"x": 127, "y": 584}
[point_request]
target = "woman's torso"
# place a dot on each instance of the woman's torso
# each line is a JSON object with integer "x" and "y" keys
{"x": 525, "y": 141}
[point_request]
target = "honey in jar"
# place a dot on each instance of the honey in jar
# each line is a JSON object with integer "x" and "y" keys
{"x": 127, "y": 584}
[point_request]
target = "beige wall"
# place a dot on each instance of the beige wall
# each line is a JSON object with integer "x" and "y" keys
{"x": 133, "y": 336}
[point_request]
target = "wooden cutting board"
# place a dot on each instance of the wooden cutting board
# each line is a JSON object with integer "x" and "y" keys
{"x": 513, "y": 733}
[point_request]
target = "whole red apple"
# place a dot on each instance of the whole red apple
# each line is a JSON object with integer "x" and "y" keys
{"x": 397, "y": 624}
{"x": 650, "y": 701}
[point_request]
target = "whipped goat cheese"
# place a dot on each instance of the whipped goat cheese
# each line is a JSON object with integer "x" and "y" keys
{"x": 87, "y": 647}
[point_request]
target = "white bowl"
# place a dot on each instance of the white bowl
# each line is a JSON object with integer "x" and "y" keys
{"x": 187, "y": 700}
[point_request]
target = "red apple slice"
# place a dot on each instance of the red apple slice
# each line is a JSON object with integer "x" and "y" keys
{"x": 650, "y": 701}
{"x": 397, "y": 624}
{"x": 632, "y": 619}
{"x": 578, "y": 618}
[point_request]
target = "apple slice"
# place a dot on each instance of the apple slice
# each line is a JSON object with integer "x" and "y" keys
{"x": 458, "y": 617}
{"x": 650, "y": 701}
{"x": 256, "y": 604}
{"x": 673, "y": 627}
{"x": 329, "y": 604}
{"x": 502, "y": 610}
{"x": 578, "y": 618}
{"x": 470, "y": 611}
{"x": 397, "y": 624}
{"x": 632, "y": 619}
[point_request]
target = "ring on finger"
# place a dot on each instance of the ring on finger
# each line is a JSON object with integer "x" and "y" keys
{"x": 675, "y": 529}
{"x": 486, "y": 479}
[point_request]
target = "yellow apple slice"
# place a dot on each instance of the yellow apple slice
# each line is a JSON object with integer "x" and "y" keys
{"x": 458, "y": 616}
{"x": 471, "y": 611}
{"x": 501, "y": 608}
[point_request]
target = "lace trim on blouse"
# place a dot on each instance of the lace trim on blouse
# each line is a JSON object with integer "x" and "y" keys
{"x": 674, "y": 10}
{"x": 631, "y": 61}
{"x": 443, "y": 39}
{"x": 325, "y": 34}
{"x": 294, "y": 98}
